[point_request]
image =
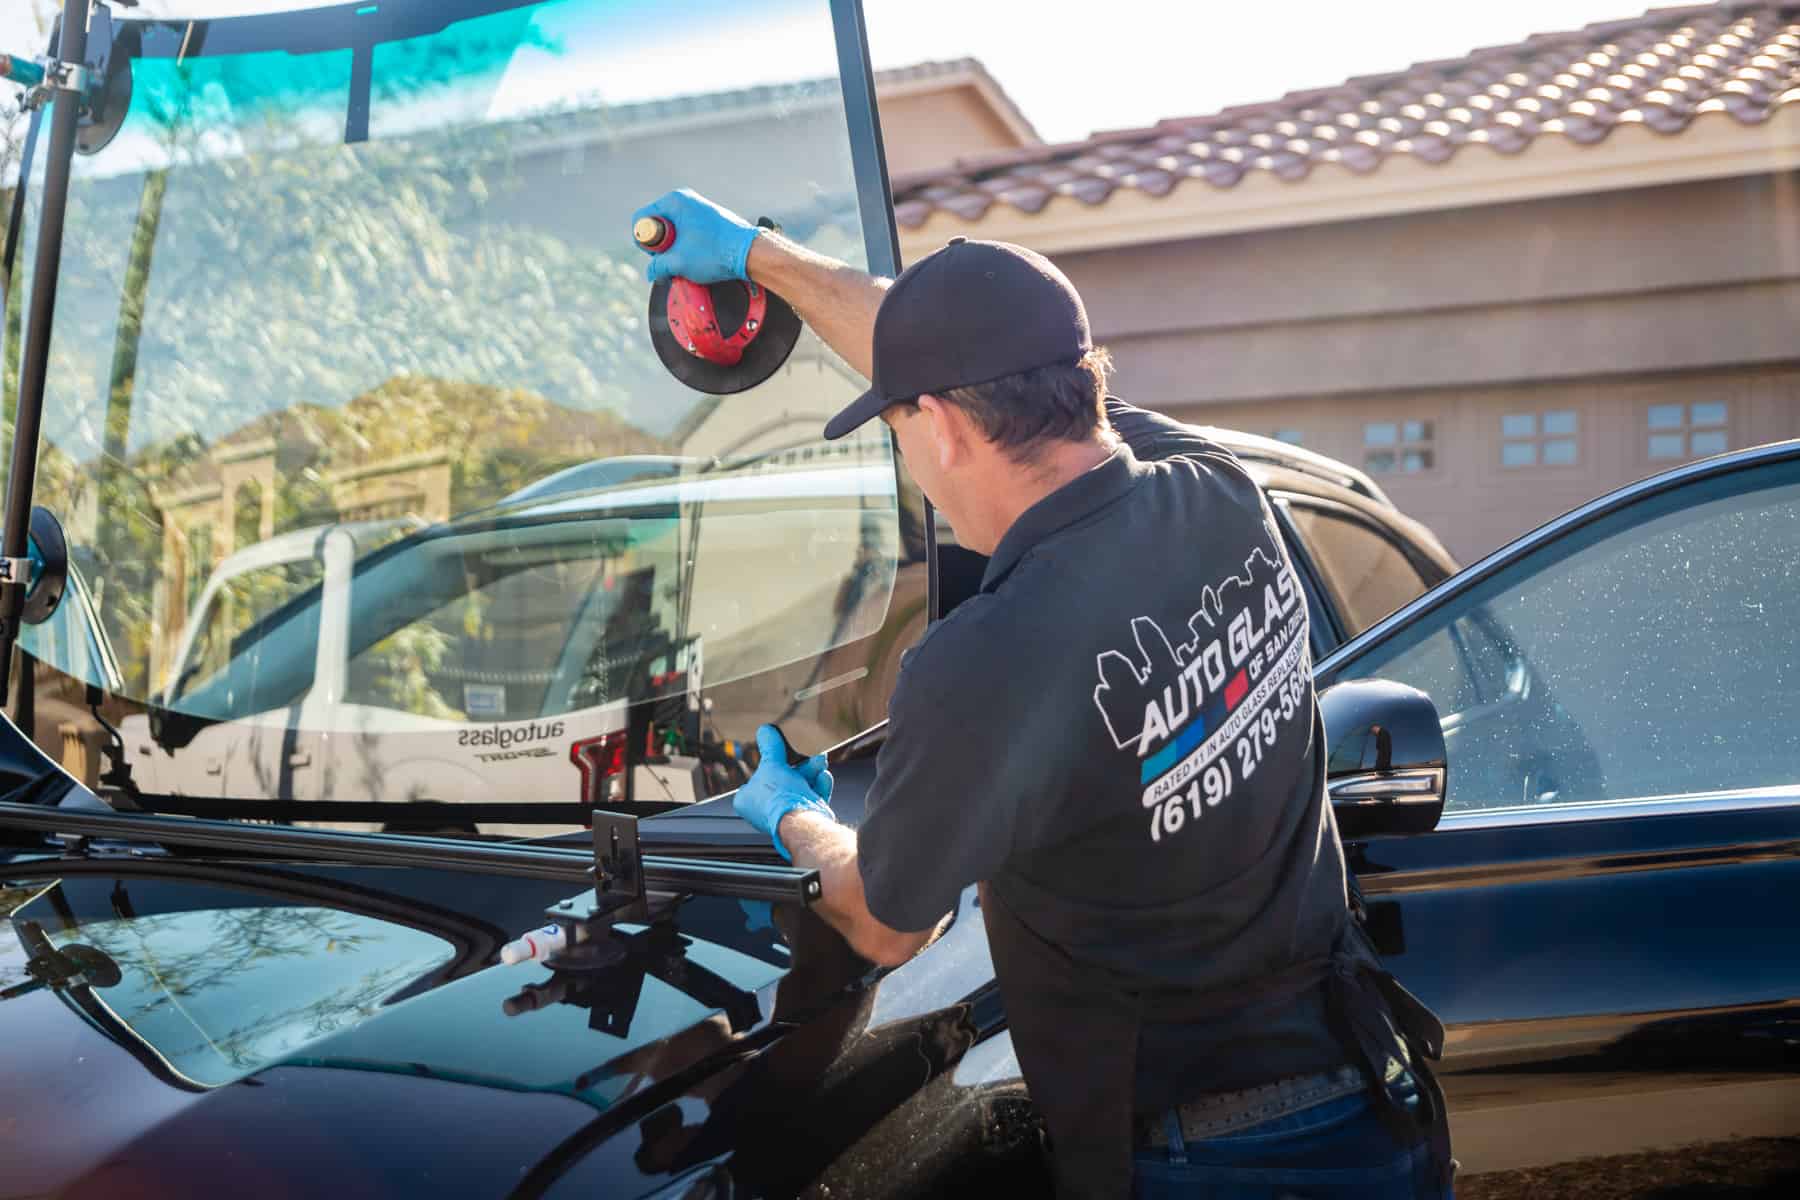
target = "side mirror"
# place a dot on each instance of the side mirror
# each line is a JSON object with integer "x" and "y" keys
{"x": 47, "y": 550}
{"x": 1385, "y": 770}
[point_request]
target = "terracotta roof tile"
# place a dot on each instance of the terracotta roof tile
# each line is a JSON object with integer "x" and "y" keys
{"x": 1660, "y": 70}
{"x": 970, "y": 206}
{"x": 1088, "y": 191}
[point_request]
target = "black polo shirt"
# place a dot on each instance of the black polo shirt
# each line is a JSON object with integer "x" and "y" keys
{"x": 1118, "y": 736}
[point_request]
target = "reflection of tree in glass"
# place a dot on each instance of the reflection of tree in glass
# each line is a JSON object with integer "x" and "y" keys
{"x": 248, "y": 1046}
{"x": 200, "y": 556}
{"x": 290, "y": 277}
{"x": 176, "y": 958}
{"x": 13, "y": 123}
{"x": 240, "y": 602}
{"x": 302, "y": 500}
{"x": 233, "y": 939}
{"x": 246, "y": 518}
{"x": 338, "y": 268}
{"x": 401, "y": 668}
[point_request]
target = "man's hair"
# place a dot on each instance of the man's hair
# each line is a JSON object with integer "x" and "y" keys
{"x": 1061, "y": 402}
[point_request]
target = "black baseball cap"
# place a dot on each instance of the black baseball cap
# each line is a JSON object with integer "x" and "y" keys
{"x": 968, "y": 313}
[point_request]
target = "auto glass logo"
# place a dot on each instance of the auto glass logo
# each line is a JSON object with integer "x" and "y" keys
{"x": 1234, "y": 687}
{"x": 505, "y": 737}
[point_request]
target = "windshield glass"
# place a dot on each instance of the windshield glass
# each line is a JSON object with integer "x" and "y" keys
{"x": 357, "y": 431}
{"x": 188, "y": 978}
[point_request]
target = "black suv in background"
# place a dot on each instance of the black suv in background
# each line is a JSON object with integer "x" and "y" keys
{"x": 1359, "y": 557}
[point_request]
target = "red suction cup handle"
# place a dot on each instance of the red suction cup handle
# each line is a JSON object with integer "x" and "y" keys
{"x": 694, "y": 320}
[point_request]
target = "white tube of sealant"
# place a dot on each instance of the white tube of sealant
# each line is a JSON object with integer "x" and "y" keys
{"x": 535, "y": 946}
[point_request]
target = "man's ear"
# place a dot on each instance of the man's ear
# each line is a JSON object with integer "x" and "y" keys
{"x": 949, "y": 427}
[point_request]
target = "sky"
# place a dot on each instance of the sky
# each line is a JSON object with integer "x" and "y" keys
{"x": 1075, "y": 67}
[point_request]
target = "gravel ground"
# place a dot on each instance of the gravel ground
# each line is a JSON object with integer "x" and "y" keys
{"x": 1754, "y": 1169}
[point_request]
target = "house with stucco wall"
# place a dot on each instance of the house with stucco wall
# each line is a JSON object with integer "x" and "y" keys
{"x": 1502, "y": 283}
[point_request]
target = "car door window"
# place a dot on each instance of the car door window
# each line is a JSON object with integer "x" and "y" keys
{"x": 1319, "y": 618}
{"x": 1654, "y": 652}
{"x": 241, "y": 600}
{"x": 484, "y": 653}
{"x": 1368, "y": 575}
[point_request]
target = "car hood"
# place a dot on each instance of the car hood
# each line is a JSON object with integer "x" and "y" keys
{"x": 265, "y": 1028}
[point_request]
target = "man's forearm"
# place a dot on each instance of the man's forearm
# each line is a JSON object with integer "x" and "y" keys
{"x": 835, "y": 299}
{"x": 824, "y": 845}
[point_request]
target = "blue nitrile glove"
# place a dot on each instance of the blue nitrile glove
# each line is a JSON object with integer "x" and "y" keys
{"x": 777, "y": 789}
{"x": 712, "y": 244}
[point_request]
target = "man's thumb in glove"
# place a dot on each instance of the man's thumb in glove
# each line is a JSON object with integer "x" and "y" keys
{"x": 770, "y": 744}
{"x": 814, "y": 772}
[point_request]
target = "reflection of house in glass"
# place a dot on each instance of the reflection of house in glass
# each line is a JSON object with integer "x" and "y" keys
{"x": 414, "y": 448}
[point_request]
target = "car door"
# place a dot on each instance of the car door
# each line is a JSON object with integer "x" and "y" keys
{"x": 1604, "y": 917}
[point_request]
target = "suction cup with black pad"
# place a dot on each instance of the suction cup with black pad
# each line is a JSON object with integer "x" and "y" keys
{"x": 765, "y": 349}
{"x": 719, "y": 338}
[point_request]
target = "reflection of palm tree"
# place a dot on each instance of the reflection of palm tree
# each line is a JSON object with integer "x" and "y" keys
{"x": 123, "y": 376}
{"x": 128, "y": 569}
{"x": 15, "y": 120}
{"x": 294, "y": 275}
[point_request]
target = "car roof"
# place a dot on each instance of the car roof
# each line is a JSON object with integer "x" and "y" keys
{"x": 1284, "y": 467}
{"x": 603, "y": 472}
{"x": 1420, "y": 542}
{"x": 832, "y": 480}
{"x": 1281, "y": 467}
{"x": 298, "y": 544}
{"x": 1254, "y": 449}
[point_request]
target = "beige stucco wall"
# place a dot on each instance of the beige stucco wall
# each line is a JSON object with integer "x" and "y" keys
{"x": 1474, "y": 502}
{"x": 1681, "y": 277}
{"x": 813, "y": 385}
{"x": 925, "y": 129}
{"x": 1603, "y": 303}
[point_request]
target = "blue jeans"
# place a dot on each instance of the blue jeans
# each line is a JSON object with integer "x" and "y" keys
{"x": 1337, "y": 1150}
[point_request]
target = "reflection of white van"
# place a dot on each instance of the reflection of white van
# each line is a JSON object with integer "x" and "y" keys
{"x": 468, "y": 661}
{"x": 252, "y": 582}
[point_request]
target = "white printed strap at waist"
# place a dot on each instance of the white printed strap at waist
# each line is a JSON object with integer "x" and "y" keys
{"x": 1227, "y": 1112}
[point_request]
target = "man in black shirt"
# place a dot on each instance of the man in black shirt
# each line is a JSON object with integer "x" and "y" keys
{"x": 1116, "y": 738}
